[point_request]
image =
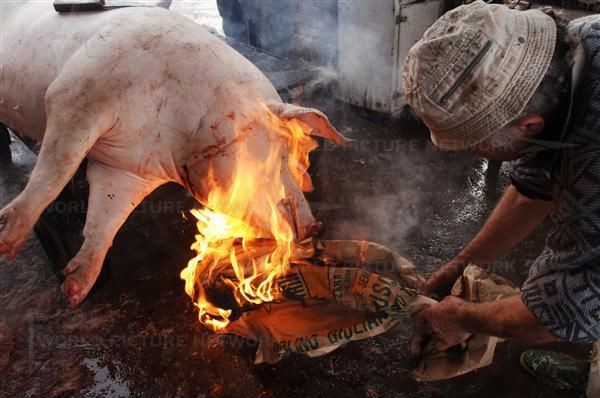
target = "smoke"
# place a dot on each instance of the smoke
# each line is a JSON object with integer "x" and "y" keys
{"x": 385, "y": 219}
{"x": 376, "y": 189}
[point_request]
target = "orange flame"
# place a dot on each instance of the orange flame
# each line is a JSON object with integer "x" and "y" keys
{"x": 229, "y": 245}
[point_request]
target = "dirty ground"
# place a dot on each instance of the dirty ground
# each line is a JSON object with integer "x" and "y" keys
{"x": 137, "y": 333}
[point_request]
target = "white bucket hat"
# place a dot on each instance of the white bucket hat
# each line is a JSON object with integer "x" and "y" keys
{"x": 475, "y": 70}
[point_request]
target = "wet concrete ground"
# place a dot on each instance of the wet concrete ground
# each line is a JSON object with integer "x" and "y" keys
{"x": 137, "y": 333}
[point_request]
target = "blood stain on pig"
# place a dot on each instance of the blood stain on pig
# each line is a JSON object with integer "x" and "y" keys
{"x": 212, "y": 151}
{"x": 214, "y": 127}
{"x": 230, "y": 115}
{"x": 187, "y": 182}
{"x": 248, "y": 128}
{"x": 218, "y": 149}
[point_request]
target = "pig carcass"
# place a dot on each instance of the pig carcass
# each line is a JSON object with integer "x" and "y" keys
{"x": 146, "y": 95}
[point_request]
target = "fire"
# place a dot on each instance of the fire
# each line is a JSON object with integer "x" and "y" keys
{"x": 230, "y": 246}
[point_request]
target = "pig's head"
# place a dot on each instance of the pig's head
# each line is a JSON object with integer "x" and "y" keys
{"x": 254, "y": 166}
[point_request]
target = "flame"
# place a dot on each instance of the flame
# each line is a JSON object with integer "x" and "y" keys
{"x": 230, "y": 245}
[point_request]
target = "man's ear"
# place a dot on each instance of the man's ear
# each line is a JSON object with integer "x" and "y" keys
{"x": 312, "y": 117}
{"x": 531, "y": 124}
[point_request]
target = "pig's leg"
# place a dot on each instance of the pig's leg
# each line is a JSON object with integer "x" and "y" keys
{"x": 113, "y": 195}
{"x": 71, "y": 131}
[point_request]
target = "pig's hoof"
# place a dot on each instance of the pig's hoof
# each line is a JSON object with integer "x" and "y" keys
{"x": 13, "y": 232}
{"x": 81, "y": 274}
{"x": 73, "y": 291}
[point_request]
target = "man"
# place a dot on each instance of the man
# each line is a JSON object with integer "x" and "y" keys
{"x": 266, "y": 25}
{"x": 521, "y": 85}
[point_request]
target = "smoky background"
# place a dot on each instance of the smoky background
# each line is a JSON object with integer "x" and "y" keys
{"x": 389, "y": 185}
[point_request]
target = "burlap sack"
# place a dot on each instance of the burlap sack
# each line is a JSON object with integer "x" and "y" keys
{"x": 475, "y": 285}
{"x": 336, "y": 298}
{"x": 352, "y": 290}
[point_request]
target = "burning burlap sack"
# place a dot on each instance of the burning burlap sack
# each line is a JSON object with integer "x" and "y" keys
{"x": 355, "y": 290}
{"x": 336, "y": 298}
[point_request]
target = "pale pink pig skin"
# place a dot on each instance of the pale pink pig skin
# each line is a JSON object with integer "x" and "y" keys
{"x": 148, "y": 96}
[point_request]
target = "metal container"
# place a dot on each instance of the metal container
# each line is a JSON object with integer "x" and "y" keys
{"x": 374, "y": 38}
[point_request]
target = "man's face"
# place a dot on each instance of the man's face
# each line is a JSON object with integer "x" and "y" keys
{"x": 510, "y": 142}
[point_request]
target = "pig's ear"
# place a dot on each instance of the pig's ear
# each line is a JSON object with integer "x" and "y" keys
{"x": 312, "y": 117}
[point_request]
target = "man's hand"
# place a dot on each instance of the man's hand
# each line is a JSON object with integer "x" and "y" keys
{"x": 441, "y": 281}
{"x": 445, "y": 321}
{"x": 453, "y": 320}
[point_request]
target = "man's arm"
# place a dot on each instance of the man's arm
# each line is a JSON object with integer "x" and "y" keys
{"x": 513, "y": 219}
{"x": 453, "y": 320}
